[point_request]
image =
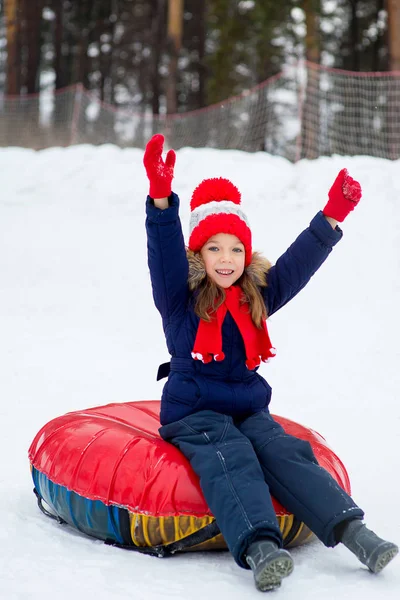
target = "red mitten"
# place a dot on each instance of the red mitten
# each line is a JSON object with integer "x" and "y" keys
{"x": 344, "y": 196}
{"x": 160, "y": 173}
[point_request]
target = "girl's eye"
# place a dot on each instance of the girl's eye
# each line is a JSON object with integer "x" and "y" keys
{"x": 213, "y": 248}
{"x": 237, "y": 250}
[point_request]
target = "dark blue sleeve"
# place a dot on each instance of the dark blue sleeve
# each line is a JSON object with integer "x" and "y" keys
{"x": 294, "y": 269}
{"x": 167, "y": 258}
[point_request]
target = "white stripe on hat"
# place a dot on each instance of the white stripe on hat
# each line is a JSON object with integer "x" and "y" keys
{"x": 215, "y": 208}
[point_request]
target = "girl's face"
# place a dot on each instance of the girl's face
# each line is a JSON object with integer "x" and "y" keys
{"x": 223, "y": 255}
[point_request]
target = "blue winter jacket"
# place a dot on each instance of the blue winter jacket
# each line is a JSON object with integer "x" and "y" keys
{"x": 227, "y": 386}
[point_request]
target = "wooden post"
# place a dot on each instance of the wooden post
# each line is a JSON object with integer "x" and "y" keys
{"x": 11, "y": 10}
{"x": 393, "y": 10}
{"x": 175, "y": 27}
{"x": 393, "y": 111}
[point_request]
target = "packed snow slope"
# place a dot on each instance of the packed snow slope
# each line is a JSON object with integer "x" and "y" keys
{"x": 78, "y": 328}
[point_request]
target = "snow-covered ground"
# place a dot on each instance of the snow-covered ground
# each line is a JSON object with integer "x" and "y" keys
{"x": 78, "y": 328}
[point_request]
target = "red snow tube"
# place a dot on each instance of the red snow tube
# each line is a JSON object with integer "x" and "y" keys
{"x": 107, "y": 472}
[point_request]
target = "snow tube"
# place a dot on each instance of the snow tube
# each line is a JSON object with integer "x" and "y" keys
{"x": 108, "y": 473}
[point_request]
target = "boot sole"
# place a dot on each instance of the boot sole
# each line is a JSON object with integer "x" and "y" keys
{"x": 271, "y": 576}
{"x": 384, "y": 559}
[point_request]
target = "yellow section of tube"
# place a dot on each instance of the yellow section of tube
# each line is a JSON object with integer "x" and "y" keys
{"x": 148, "y": 531}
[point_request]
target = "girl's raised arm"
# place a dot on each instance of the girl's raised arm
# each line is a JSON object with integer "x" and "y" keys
{"x": 303, "y": 258}
{"x": 165, "y": 244}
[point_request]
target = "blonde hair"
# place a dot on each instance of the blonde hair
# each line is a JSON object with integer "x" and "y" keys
{"x": 210, "y": 296}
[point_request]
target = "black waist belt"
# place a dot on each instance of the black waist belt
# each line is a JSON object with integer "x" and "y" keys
{"x": 184, "y": 365}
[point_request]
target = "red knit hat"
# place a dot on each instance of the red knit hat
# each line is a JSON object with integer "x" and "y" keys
{"x": 215, "y": 207}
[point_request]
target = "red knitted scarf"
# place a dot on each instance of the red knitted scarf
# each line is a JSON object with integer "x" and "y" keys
{"x": 208, "y": 342}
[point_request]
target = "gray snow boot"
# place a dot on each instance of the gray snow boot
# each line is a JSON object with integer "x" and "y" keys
{"x": 269, "y": 563}
{"x": 370, "y": 549}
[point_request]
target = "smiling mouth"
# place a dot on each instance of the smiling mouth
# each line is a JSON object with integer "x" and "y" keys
{"x": 224, "y": 271}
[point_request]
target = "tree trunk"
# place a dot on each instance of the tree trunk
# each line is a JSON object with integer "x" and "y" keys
{"x": 310, "y": 117}
{"x": 175, "y": 25}
{"x": 393, "y": 10}
{"x": 380, "y": 60}
{"x": 158, "y": 9}
{"x": 33, "y": 16}
{"x": 202, "y": 53}
{"x": 59, "y": 62}
{"x": 109, "y": 62}
{"x": 393, "y": 119}
{"x": 312, "y": 31}
{"x": 354, "y": 37}
{"x": 81, "y": 62}
{"x": 11, "y": 11}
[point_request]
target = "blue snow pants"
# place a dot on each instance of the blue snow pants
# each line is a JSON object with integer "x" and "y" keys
{"x": 241, "y": 463}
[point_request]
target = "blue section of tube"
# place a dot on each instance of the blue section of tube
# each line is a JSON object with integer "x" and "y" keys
{"x": 91, "y": 517}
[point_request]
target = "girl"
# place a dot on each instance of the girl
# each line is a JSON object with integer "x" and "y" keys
{"x": 214, "y": 299}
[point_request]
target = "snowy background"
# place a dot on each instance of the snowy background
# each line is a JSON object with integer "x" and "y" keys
{"x": 78, "y": 328}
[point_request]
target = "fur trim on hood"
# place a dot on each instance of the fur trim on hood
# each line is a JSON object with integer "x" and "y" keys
{"x": 257, "y": 269}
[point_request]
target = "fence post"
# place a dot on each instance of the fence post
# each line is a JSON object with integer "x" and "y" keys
{"x": 75, "y": 113}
